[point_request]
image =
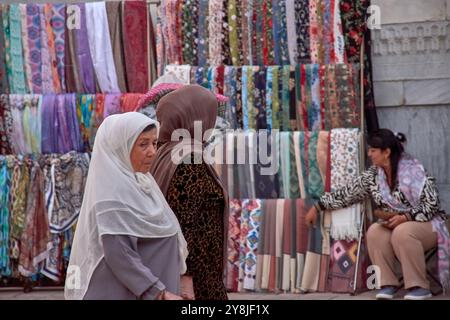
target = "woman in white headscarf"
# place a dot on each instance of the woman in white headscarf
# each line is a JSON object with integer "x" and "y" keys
{"x": 128, "y": 243}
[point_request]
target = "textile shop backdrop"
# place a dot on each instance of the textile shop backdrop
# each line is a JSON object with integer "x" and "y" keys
{"x": 58, "y": 83}
{"x": 63, "y": 69}
{"x": 296, "y": 66}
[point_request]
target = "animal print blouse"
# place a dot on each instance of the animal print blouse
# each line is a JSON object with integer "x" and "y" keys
{"x": 366, "y": 185}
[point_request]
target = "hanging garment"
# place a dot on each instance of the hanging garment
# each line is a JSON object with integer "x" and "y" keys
{"x": 100, "y": 47}
{"x": 58, "y": 21}
{"x": 65, "y": 178}
{"x": 33, "y": 56}
{"x": 315, "y": 271}
{"x": 344, "y": 169}
{"x": 188, "y": 28}
{"x": 265, "y": 166}
{"x": 19, "y": 185}
{"x": 53, "y": 267}
{"x": 136, "y": 45}
{"x": 48, "y": 134}
{"x": 289, "y": 261}
{"x": 7, "y": 44}
{"x": 234, "y": 231}
{"x": 115, "y": 18}
{"x": 130, "y": 101}
{"x": 63, "y": 136}
{"x": 355, "y": 33}
{"x": 52, "y": 49}
{"x": 251, "y": 242}
{"x": 72, "y": 123}
{"x": 233, "y": 32}
{"x": 301, "y": 239}
{"x": 260, "y": 117}
{"x": 291, "y": 31}
{"x": 4, "y": 86}
{"x": 112, "y": 104}
{"x": 46, "y": 67}
{"x": 5, "y": 181}
{"x": 18, "y": 143}
{"x": 183, "y": 72}
{"x": 17, "y": 82}
{"x": 302, "y": 31}
{"x": 85, "y": 109}
{"x": 35, "y": 241}
{"x": 31, "y": 121}
{"x": 26, "y": 49}
{"x": 85, "y": 68}
{"x": 6, "y": 125}
{"x": 343, "y": 256}
{"x": 70, "y": 57}
{"x": 215, "y": 34}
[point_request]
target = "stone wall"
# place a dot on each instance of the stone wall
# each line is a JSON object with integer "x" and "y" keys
{"x": 411, "y": 73}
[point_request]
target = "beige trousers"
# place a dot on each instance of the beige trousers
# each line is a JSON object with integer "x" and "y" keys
{"x": 406, "y": 244}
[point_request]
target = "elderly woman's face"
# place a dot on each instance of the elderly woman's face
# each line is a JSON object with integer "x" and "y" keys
{"x": 143, "y": 151}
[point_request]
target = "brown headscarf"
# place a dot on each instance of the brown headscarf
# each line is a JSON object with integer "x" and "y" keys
{"x": 179, "y": 110}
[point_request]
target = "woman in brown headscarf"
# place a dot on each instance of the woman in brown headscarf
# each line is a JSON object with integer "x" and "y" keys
{"x": 193, "y": 190}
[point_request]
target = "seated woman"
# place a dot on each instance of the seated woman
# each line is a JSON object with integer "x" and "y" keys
{"x": 128, "y": 243}
{"x": 407, "y": 197}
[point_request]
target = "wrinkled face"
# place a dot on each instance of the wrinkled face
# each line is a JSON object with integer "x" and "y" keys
{"x": 379, "y": 157}
{"x": 143, "y": 151}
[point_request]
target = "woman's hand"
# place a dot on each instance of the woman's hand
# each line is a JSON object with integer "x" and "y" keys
{"x": 311, "y": 217}
{"x": 395, "y": 221}
{"x": 187, "y": 288}
{"x": 170, "y": 296}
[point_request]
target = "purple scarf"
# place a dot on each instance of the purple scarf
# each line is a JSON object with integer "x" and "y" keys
{"x": 85, "y": 65}
{"x": 112, "y": 104}
{"x": 49, "y": 124}
{"x": 72, "y": 122}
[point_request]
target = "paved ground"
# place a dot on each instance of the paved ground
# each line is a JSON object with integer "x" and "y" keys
{"x": 14, "y": 294}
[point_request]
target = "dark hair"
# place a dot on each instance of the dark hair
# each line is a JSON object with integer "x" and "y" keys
{"x": 149, "y": 127}
{"x": 384, "y": 139}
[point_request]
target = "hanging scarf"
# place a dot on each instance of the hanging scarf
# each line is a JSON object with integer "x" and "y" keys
{"x": 313, "y": 91}
{"x": 84, "y": 61}
{"x": 230, "y": 91}
{"x": 26, "y": 49}
{"x": 18, "y": 137}
{"x": 234, "y": 231}
{"x": 291, "y": 32}
{"x": 35, "y": 241}
{"x": 251, "y": 90}
{"x": 58, "y": 20}
{"x": 275, "y": 100}
{"x": 100, "y": 47}
{"x": 65, "y": 176}
{"x": 19, "y": 185}
{"x": 85, "y": 108}
{"x": 4, "y": 86}
{"x": 63, "y": 141}
{"x": 52, "y": 50}
{"x": 302, "y": 30}
{"x": 46, "y": 67}
{"x": 233, "y": 34}
{"x": 344, "y": 169}
{"x": 5, "y": 269}
{"x": 72, "y": 122}
{"x": 245, "y": 98}
{"x": 70, "y": 58}
{"x": 48, "y": 134}
{"x": 188, "y": 32}
{"x": 283, "y": 34}
{"x": 268, "y": 97}
{"x": 7, "y": 43}
{"x": 130, "y": 101}
{"x": 254, "y": 214}
{"x": 315, "y": 182}
{"x": 30, "y": 122}
{"x": 285, "y": 79}
{"x": 244, "y": 31}
{"x": 250, "y": 32}
{"x": 136, "y": 45}
{"x": 34, "y": 45}
{"x": 260, "y": 98}
{"x": 112, "y": 104}
{"x": 6, "y": 125}
{"x": 18, "y": 84}
{"x": 215, "y": 34}
{"x": 114, "y": 11}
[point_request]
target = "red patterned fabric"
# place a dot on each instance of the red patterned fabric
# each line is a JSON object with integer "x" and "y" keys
{"x": 136, "y": 45}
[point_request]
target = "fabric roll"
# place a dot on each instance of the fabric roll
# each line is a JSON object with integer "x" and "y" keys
{"x": 215, "y": 33}
{"x": 291, "y": 32}
{"x": 254, "y": 208}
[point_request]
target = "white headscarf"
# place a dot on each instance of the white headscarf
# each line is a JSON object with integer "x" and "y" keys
{"x": 117, "y": 201}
